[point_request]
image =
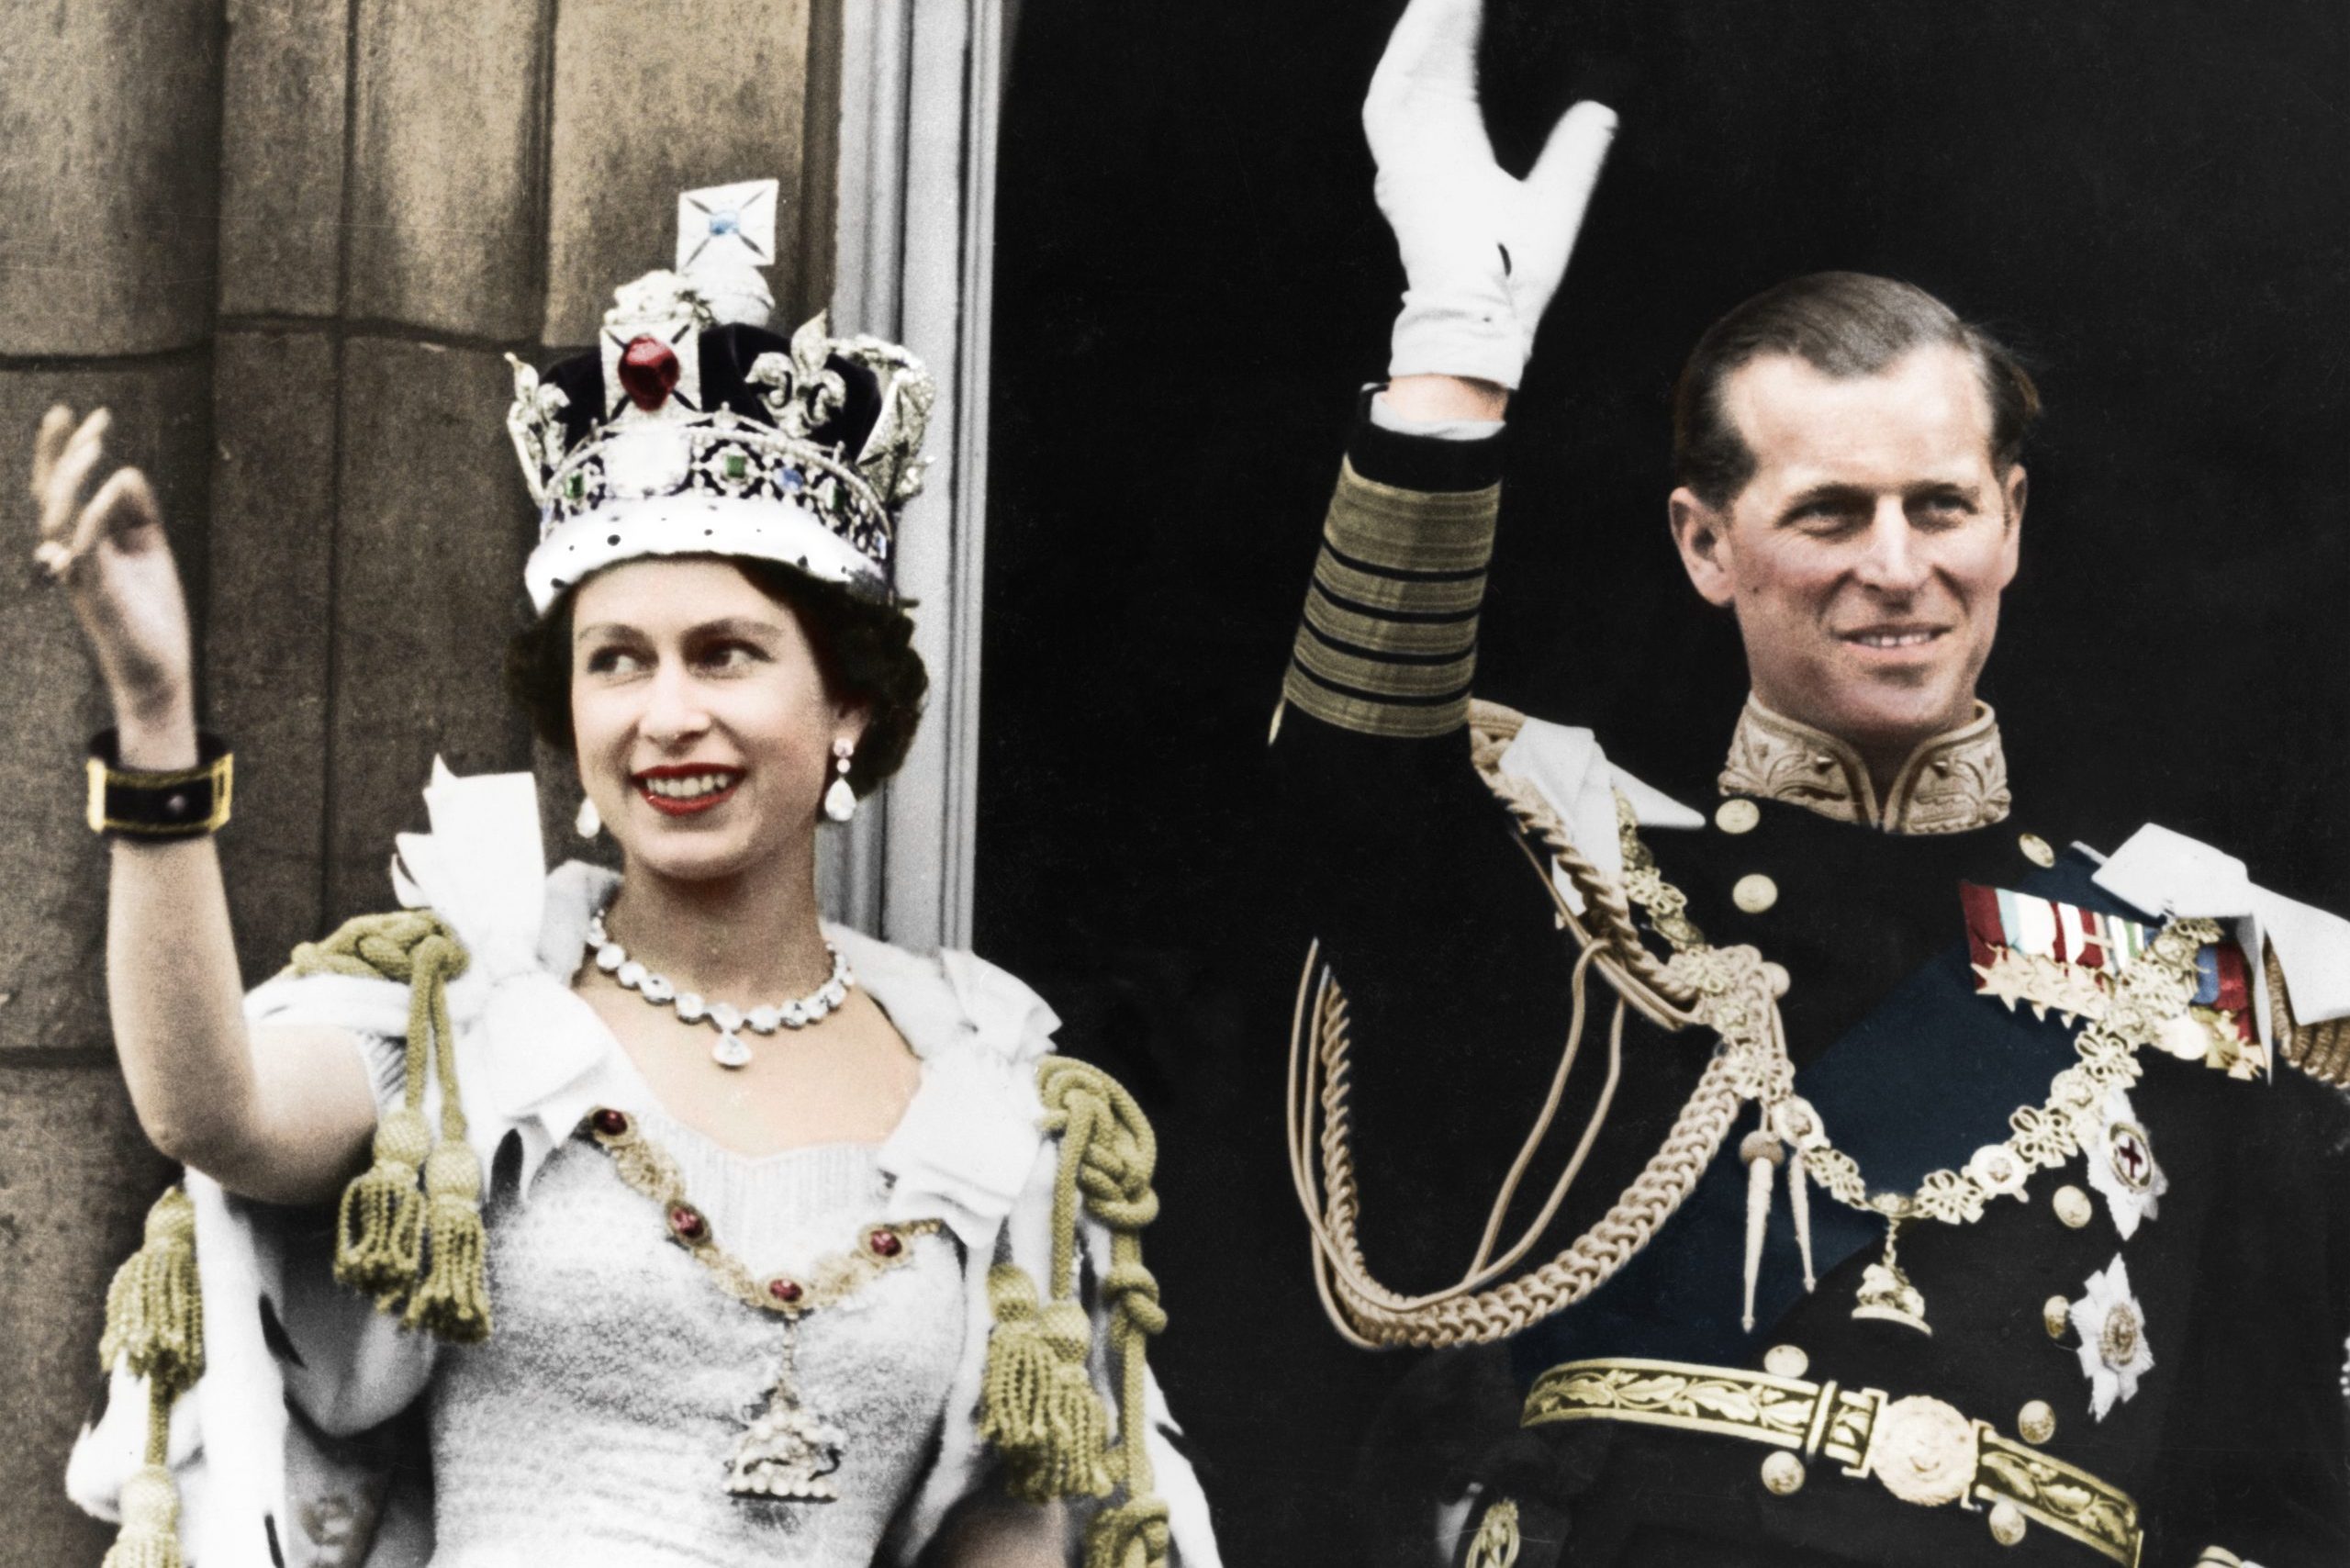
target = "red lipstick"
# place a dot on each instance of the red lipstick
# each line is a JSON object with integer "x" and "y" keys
{"x": 687, "y": 805}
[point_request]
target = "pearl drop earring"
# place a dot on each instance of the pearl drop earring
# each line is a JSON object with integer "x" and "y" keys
{"x": 840, "y": 801}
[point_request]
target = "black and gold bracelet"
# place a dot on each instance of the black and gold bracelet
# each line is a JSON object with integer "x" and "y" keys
{"x": 137, "y": 803}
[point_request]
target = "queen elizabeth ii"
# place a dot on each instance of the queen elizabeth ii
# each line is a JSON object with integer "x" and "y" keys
{"x": 671, "y": 1223}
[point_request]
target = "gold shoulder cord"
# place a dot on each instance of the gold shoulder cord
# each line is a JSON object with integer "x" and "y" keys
{"x": 1475, "y": 1310}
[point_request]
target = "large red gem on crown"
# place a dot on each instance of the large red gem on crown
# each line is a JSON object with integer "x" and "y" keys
{"x": 885, "y": 1244}
{"x": 648, "y": 372}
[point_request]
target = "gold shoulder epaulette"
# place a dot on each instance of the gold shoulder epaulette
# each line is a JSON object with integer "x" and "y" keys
{"x": 1038, "y": 1406}
{"x": 2322, "y": 1050}
{"x": 409, "y": 1231}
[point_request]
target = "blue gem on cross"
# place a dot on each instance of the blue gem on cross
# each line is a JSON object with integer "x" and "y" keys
{"x": 725, "y": 222}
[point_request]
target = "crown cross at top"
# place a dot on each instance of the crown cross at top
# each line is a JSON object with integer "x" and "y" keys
{"x": 692, "y": 429}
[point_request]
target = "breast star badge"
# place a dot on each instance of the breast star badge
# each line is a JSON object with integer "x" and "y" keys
{"x": 2121, "y": 1164}
{"x": 2114, "y": 1352}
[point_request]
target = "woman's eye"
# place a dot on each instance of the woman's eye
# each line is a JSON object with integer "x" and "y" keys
{"x": 611, "y": 661}
{"x": 731, "y": 655}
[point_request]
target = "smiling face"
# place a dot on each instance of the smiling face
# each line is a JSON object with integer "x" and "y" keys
{"x": 703, "y": 728}
{"x": 1865, "y": 556}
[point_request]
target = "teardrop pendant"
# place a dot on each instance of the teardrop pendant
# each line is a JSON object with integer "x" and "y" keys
{"x": 840, "y": 801}
{"x": 731, "y": 1050}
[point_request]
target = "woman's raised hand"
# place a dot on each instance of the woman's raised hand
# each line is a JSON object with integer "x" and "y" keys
{"x": 1483, "y": 252}
{"x": 110, "y": 553}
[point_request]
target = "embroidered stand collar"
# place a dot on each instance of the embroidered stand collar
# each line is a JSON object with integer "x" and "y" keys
{"x": 1955, "y": 781}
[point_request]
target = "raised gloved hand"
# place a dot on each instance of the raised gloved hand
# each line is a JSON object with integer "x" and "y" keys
{"x": 1483, "y": 252}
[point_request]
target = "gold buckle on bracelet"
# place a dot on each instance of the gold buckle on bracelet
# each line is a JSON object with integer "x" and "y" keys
{"x": 219, "y": 774}
{"x": 1920, "y": 1448}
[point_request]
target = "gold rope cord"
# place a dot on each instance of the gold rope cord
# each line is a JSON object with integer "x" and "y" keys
{"x": 1108, "y": 1153}
{"x": 409, "y": 1231}
{"x": 1475, "y": 1310}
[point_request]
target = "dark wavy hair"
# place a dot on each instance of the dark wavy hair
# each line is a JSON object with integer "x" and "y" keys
{"x": 863, "y": 652}
{"x": 1842, "y": 324}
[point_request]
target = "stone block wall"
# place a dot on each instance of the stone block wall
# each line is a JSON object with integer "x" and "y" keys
{"x": 288, "y": 243}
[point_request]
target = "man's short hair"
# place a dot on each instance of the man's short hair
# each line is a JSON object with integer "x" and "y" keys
{"x": 1842, "y": 324}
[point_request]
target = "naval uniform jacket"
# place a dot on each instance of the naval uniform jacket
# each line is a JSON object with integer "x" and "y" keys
{"x": 1440, "y": 933}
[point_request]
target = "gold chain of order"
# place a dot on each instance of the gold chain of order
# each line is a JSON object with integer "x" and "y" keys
{"x": 2157, "y": 988}
{"x": 646, "y": 1167}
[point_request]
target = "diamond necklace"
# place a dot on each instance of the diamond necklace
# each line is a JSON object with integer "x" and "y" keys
{"x": 732, "y": 1050}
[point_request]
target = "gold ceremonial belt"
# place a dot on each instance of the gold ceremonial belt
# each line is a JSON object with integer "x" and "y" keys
{"x": 1920, "y": 1448}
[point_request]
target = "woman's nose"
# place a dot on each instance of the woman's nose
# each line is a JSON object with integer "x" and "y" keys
{"x": 673, "y": 706}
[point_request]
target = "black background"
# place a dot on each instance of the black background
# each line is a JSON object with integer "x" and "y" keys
{"x": 2148, "y": 199}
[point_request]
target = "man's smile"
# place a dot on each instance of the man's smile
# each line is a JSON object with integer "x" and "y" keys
{"x": 1893, "y": 638}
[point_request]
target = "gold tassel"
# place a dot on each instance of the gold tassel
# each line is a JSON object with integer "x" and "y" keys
{"x": 389, "y": 1229}
{"x": 1131, "y": 1535}
{"x": 155, "y": 1306}
{"x": 379, "y": 1233}
{"x": 151, "y": 1522}
{"x": 1037, "y": 1404}
{"x": 1799, "y": 1200}
{"x": 1761, "y": 1151}
{"x": 155, "y": 1329}
{"x": 452, "y": 1302}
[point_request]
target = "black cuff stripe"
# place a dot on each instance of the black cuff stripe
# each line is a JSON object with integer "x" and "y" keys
{"x": 1408, "y": 617}
{"x": 1399, "y": 574}
{"x": 1384, "y": 656}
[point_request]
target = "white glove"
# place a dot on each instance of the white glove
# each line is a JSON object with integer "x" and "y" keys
{"x": 1482, "y": 253}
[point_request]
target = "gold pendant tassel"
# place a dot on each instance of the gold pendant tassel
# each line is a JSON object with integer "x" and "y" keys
{"x": 1760, "y": 1150}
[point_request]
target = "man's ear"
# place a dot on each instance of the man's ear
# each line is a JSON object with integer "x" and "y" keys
{"x": 2015, "y": 488}
{"x": 1701, "y": 533}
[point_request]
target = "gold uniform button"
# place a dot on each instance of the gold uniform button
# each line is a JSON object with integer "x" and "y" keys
{"x": 2007, "y": 1523}
{"x": 2056, "y": 1316}
{"x": 1782, "y": 1474}
{"x": 2036, "y": 1422}
{"x": 2073, "y": 1207}
{"x": 1785, "y": 1361}
{"x": 1737, "y": 815}
{"x": 1754, "y": 892}
{"x": 2035, "y": 849}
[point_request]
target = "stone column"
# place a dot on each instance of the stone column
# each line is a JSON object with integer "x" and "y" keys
{"x": 108, "y": 116}
{"x": 288, "y": 243}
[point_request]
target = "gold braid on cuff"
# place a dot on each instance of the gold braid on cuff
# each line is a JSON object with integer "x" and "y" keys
{"x": 1918, "y": 1448}
{"x": 1388, "y": 643}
